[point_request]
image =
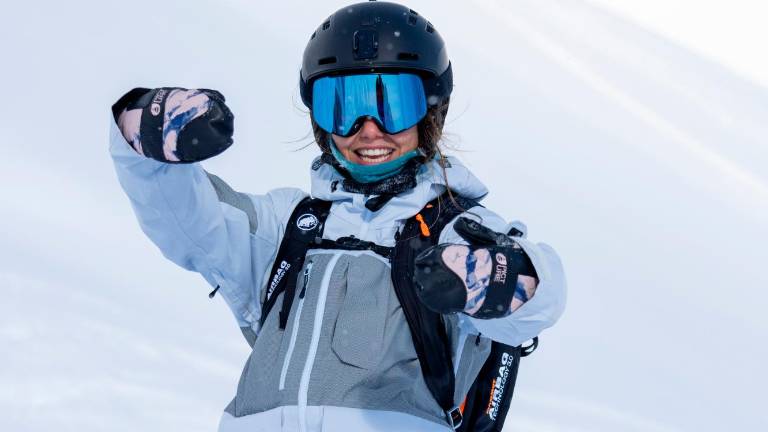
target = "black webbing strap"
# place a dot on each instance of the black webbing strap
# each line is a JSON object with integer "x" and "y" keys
{"x": 488, "y": 400}
{"x": 490, "y": 396}
{"x": 353, "y": 243}
{"x": 304, "y": 228}
{"x": 428, "y": 329}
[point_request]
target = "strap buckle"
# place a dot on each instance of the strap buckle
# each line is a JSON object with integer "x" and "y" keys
{"x": 354, "y": 243}
{"x": 455, "y": 417}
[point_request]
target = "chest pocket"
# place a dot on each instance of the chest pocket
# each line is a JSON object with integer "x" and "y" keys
{"x": 358, "y": 336}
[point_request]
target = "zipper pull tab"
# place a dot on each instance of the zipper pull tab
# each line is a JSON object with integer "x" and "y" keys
{"x": 213, "y": 293}
{"x": 307, "y": 269}
{"x": 477, "y": 341}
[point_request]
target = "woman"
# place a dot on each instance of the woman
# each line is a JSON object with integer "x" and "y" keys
{"x": 339, "y": 295}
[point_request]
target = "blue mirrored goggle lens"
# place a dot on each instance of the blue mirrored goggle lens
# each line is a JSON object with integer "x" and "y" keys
{"x": 395, "y": 101}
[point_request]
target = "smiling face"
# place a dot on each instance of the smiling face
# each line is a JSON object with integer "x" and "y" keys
{"x": 371, "y": 146}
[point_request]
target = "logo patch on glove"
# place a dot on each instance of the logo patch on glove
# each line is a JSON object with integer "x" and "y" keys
{"x": 501, "y": 268}
{"x": 155, "y": 108}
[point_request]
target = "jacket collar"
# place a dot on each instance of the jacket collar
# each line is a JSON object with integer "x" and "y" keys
{"x": 430, "y": 183}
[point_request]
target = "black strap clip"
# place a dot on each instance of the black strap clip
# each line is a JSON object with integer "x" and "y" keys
{"x": 526, "y": 350}
{"x": 356, "y": 244}
{"x": 455, "y": 417}
{"x": 353, "y": 243}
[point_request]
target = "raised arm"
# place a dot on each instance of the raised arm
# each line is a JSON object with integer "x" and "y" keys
{"x": 194, "y": 217}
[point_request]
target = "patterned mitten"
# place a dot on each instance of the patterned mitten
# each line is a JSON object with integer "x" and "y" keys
{"x": 176, "y": 125}
{"x": 489, "y": 280}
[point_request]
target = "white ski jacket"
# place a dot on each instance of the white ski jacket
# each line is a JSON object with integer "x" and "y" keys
{"x": 345, "y": 361}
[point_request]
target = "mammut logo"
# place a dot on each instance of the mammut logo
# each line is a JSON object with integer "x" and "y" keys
{"x": 281, "y": 271}
{"x": 307, "y": 222}
{"x": 155, "y": 108}
{"x": 501, "y": 268}
{"x": 497, "y": 387}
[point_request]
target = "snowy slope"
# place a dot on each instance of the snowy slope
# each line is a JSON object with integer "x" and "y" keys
{"x": 641, "y": 163}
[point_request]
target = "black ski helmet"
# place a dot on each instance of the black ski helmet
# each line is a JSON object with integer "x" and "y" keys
{"x": 377, "y": 37}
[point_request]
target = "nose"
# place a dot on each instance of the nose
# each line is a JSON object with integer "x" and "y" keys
{"x": 370, "y": 130}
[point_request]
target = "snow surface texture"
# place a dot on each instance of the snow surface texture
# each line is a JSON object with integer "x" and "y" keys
{"x": 641, "y": 163}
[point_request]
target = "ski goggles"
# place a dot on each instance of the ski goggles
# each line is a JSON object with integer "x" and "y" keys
{"x": 396, "y": 102}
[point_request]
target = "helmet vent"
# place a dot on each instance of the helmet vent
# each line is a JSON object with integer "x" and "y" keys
{"x": 430, "y": 29}
{"x": 327, "y": 25}
{"x": 313, "y": 35}
{"x": 413, "y": 12}
{"x": 326, "y": 60}
{"x": 408, "y": 56}
{"x": 412, "y": 20}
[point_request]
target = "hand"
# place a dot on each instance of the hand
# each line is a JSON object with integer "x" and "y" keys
{"x": 487, "y": 281}
{"x": 177, "y": 125}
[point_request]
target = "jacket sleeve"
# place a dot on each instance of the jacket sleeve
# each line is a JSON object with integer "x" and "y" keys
{"x": 200, "y": 223}
{"x": 540, "y": 311}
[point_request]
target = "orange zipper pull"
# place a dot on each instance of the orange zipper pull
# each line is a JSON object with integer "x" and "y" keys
{"x": 423, "y": 225}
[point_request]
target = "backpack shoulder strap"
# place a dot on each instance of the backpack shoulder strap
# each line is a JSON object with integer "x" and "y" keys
{"x": 430, "y": 338}
{"x": 304, "y": 227}
{"x": 488, "y": 400}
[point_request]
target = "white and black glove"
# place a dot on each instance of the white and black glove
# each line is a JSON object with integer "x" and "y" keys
{"x": 175, "y": 125}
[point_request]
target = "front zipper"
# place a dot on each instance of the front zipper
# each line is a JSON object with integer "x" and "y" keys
{"x": 295, "y": 326}
{"x": 312, "y": 353}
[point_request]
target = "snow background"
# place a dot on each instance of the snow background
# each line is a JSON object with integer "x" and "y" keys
{"x": 635, "y": 148}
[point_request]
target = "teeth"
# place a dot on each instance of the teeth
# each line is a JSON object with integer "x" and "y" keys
{"x": 374, "y": 152}
{"x": 376, "y": 159}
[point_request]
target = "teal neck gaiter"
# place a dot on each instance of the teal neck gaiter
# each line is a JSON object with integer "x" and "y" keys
{"x": 372, "y": 173}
